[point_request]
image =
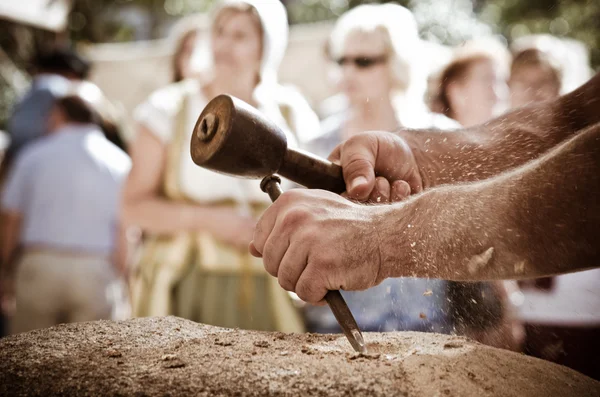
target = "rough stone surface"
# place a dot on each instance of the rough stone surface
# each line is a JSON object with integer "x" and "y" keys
{"x": 172, "y": 357}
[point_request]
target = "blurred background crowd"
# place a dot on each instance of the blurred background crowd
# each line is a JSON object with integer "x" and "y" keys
{"x": 105, "y": 216}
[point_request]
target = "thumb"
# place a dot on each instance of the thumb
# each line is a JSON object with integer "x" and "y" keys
{"x": 358, "y": 156}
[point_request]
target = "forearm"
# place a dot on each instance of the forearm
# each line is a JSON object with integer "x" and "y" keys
{"x": 160, "y": 216}
{"x": 120, "y": 254}
{"x": 10, "y": 242}
{"x": 539, "y": 220}
{"x": 504, "y": 143}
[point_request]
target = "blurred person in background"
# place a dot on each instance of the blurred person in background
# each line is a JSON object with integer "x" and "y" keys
{"x": 472, "y": 87}
{"x": 472, "y": 90}
{"x": 110, "y": 116}
{"x": 62, "y": 245}
{"x": 376, "y": 48}
{"x": 53, "y": 71}
{"x": 4, "y": 142}
{"x": 562, "y": 313}
{"x": 186, "y": 35}
{"x": 182, "y": 58}
{"x": 194, "y": 262}
{"x": 535, "y": 76}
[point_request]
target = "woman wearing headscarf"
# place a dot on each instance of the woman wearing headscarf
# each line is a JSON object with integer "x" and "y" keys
{"x": 195, "y": 262}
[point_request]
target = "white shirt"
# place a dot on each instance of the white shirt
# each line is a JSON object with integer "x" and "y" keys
{"x": 159, "y": 113}
{"x": 574, "y": 300}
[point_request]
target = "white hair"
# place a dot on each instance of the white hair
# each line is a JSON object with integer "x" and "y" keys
{"x": 400, "y": 27}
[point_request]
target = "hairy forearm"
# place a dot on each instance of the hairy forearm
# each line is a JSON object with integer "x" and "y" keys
{"x": 483, "y": 151}
{"x": 538, "y": 220}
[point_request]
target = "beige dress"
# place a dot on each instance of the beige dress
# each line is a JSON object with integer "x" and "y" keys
{"x": 194, "y": 276}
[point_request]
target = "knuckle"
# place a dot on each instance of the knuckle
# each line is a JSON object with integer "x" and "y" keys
{"x": 286, "y": 282}
{"x": 309, "y": 288}
{"x": 306, "y": 291}
{"x": 289, "y": 197}
{"x": 293, "y": 218}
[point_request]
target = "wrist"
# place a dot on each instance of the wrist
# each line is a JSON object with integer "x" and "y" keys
{"x": 394, "y": 234}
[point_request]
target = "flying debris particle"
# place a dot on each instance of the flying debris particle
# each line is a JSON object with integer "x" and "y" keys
{"x": 422, "y": 315}
{"x": 479, "y": 261}
{"x": 428, "y": 293}
{"x": 520, "y": 267}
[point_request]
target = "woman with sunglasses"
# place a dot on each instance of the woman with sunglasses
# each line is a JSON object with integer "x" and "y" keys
{"x": 375, "y": 53}
{"x": 376, "y": 49}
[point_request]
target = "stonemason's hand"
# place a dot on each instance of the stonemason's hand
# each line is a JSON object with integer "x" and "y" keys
{"x": 378, "y": 167}
{"x": 314, "y": 241}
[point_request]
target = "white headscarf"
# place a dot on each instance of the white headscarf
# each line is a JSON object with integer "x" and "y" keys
{"x": 571, "y": 55}
{"x": 273, "y": 18}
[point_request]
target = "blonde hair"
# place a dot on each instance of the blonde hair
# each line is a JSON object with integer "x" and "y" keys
{"x": 400, "y": 34}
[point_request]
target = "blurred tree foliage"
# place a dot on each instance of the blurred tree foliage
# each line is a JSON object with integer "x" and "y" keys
{"x": 577, "y": 19}
{"x": 446, "y": 21}
{"x": 453, "y": 21}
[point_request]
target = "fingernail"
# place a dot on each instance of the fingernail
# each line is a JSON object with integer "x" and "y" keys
{"x": 360, "y": 180}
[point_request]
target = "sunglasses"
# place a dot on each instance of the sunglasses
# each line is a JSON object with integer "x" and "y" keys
{"x": 362, "y": 62}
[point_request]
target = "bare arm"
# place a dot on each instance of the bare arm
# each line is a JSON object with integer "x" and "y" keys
{"x": 412, "y": 160}
{"x": 538, "y": 220}
{"x": 120, "y": 253}
{"x": 143, "y": 205}
{"x": 503, "y": 143}
{"x": 11, "y": 231}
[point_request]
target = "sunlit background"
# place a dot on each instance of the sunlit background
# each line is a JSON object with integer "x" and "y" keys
{"x": 132, "y": 36}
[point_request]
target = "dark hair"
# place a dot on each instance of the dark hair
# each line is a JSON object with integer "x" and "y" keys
{"x": 181, "y": 44}
{"x": 456, "y": 70}
{"x": 535, "y": 57}
{"x": 77, "y": 110}
{"x": 63, "y": 61}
